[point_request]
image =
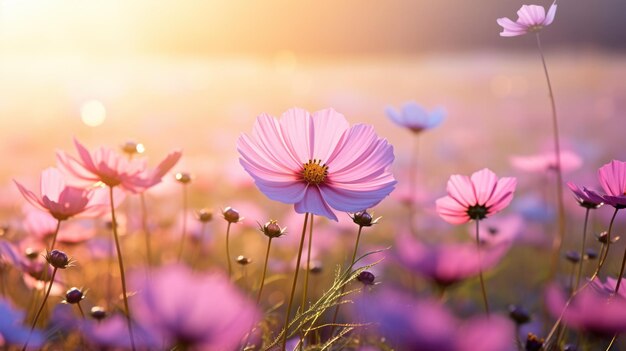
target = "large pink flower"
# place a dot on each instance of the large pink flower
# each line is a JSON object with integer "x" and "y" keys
{"x": 612, "y": 177}
{"x": 63, "y": 201}
{"x": 475, "y": 198}
{"x": 318, "y": 162}
{"x": 113, "y": 169}
{"x": 531, "y": 18}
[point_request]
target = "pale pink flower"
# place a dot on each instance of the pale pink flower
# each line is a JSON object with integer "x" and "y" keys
{"x": 612, "y": 177}
{"x": 546, "y": 161}
{"x": 63, "y": 201}
{"x": 318, "y": 162}
{"x": 531, "y": 18}
{"x": 41, "y": 226}
{"x": 475, "y": 198}
{"x": 415, "y": 118}
{"x": 114, "y": 169}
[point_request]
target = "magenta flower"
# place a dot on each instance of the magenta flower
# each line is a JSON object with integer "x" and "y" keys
{"x": 63, "y": 201}
{"x": 415, "y": 117}
{"x": 113, "y": 169}
{"x": 200, "y": 311}
{"x": 531, "y": 18}
{"x": 546, "y": 161}
{"x": 318, "y": 162}
{"x": 447, "y": 264}
{"x": 424, "y": 324}
{"x": 475, "y": 198}
{"x": 585, "y": 197}
{"x": 612, "y": 177}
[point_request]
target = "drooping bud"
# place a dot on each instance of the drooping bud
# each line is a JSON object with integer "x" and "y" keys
{"x": 231, "y": 215}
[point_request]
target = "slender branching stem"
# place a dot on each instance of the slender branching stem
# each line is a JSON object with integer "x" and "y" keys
{"x": 267, "y": 257}
{"x": 582, "y": 251}
{"x": 295, "y": 280}
{"x": 82, "y": 314}
{"x": 230, "y": 266}
{"x": 413, "y": 185}
{"x": 120, "y": 262}
{"x": 480, "y": 269}
{"x": 54, "y": 236}
{"x": 606, "y": 246}
{"x": 308, "y": 266}
{"x": 43, "y": 304}
{"x": 146, "y": 229}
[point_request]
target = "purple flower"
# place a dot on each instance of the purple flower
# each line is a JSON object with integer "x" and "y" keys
{"x": 446, "y": 264}
{"x": 424, "y": 324}
{"x": 531, "y": 18}
{"x": 612, "y": 177}
{"x": 12, "y": 329}
{"x": 317, "y": 162}
{"x": 546, "y": 161}
{"x": 201, "y": 311}
{"x": 585, "y": 197}
{"x": 592, "y": 310}
{"x": 415, "y": 117}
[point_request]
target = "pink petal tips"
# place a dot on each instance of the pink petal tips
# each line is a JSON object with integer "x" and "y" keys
{"x": 317, "y": 162}
{"x": 531, "y": 18}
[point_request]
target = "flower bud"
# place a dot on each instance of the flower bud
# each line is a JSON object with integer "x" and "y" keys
{"x": 231, "y": 215}
{"x": 98, "y": 313}
{"x": 519, "y": 314}
{"x": 366, "y": 277}
{"x": 316, "y": 267}
{"x": 271, "y": 229}
{"x": 364, "y": 219}
{"x": 204, "y": 215}
{"x": 183, "y": 177}
{"x": 58, "y": 259}
{"x": 74, "y": 295}
{"x": 131, "y": 148}
{"x": 243, "y": 260}
{"x": 533, "y": 343}
{"x": 572, "y": 256}
{"x": 591, "y": 254}
{"x": 31, "y": 253}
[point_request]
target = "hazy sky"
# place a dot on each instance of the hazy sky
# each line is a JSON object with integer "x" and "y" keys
{"x": 303, "y": 26}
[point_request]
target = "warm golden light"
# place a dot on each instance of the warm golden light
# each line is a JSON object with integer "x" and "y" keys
{"x": 93, "y": 113}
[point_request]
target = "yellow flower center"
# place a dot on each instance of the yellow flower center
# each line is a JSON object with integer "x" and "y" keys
{"x": 314, "y": 172}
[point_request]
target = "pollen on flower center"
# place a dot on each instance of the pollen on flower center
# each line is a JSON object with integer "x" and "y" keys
{"x": 314, "y": 172}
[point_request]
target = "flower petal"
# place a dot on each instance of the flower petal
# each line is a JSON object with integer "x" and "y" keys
{"x": 451, "y": 210}
{"x": 313, "y": 202}
{"x": 297, "y": 128}
{"x": 30, "y": 196}
{"x": 461, "y": 189}
{"x": 484, "y": 182}
{"x": 51, "y": 183}
{"x": 329, "y": 127}
{"x": 502, "y": 195}
{"x": 550, "y": 16}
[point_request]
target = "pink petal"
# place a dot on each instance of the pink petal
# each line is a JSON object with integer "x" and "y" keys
{"x": 84, "y": 155}
{"x": 461, "y": 189}
{"x": 550, "y": 15}
{"x": 359, "y": 143}
{"x": 484, "y": 182}
{"x": 268, "y": 138}
{"x": 297, "y": 129}
{"x": 328, "y": 126}
{"x": 502, "y": 195}
{"x": 313, "y": 202}
{"x": 30, "y": 196}
{"x": 51, "y": 183}
{"x": 286, "y": 192}
{"x": 527, "y": 15}
{"x": 612, "y": 177}
{"x": 259, "y": 159}
{"x": 167, "y": 164}
{"x": 375, "y": 160}
{"x": 353, "y": 200}
{"x": 451, "y": 210}
{"x": 75, "y": 173}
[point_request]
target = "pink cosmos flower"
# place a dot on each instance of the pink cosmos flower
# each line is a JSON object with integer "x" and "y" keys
{"x": 63, "y": 201}
{"x": 475, "y": 198}
{"x": 318, "y": 162}
{"x": 113, "y": 169}
{"x": 546, "y": 161}
{"x": 612, "y": 177}
{"x": 585, "y": 197}
{"x": 531, "y": 18}
{"x": 415, "y": 117}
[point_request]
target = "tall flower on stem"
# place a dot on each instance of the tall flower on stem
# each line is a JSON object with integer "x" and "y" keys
{"x": 416, "y": 119}
{"x": 231, "y": 216}
{"x": 114, "y": 170}
{"x": 531, "y": 19}
{"x": 318, "y": 163}
{"x": 475, "y": 198}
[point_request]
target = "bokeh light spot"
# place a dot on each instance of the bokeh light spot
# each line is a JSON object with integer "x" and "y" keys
{"x": 93, "y": 113}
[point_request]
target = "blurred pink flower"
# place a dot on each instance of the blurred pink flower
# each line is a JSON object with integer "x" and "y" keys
{"x": 41, "y": 226}
{"x": 475, "y": 198}
{"x": 63, "y": 201}
{"x": 612, "y": 177}
{"x": 531, "y": 18}
{"x": 415, "y": 117}
{"x": 202, "y": 311}
{"x": 447, "y": 264}
{"x": 318, "y": 162}
{"x": 585, "y": 197}
{"x": 592, "y": 310}
{"x": 546, "y": 161}
{"x": 113, "y": 169}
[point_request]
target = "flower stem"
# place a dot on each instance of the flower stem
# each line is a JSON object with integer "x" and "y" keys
{"x": 336, "y": 313}
{"x": 120, "y": 261}
{"x": 82, "y": 314}
{"x": 480, "y": 270}
{"x": 184, "y": 230}
{"x": 267, "y": 256}
{"x": 295, "y": 280}
{"x": 582, "y": 251}
{"x": 606, "y": 245}
{"x": 146, "y": 229}
{"x": 306, "y": 273}
{"x": 54, "y": 236}
{"x": 413, "y": 185}
{"x": 558, "y": 240}
{"x": 230, "y": 267}
{"x": 43, "y": 304}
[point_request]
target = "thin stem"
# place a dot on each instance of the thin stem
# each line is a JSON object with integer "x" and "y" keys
{"x": 146, "y": 229}
{"x": 199, "y": 250}
{"x": 184, "y": 233}
{"x": 611, "y": 343}
{"x": 82, "y": 314}
{"x": 120, "y": 261}
{"x": 267, "y": 256}
{"x": 295, "y": 280}
{"x": 43, "y": 304}
{"x": 558, "y": 240}
{"x": 336, "y": 313}
{"x": 308, "y": 266}
{"x": 230, "y": 267}
{"x": 480, "y": 270}
{"x": 413, "y": 184}
{"x": 54, "y": 236}
{"x": 606, "y": 245}
{"x": 582, "y": 251}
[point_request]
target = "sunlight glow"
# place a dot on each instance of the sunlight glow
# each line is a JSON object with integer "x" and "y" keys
{"x": 93, "y": 113}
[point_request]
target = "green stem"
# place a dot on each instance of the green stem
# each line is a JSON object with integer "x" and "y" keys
{"x": 606, "y": 245}
{"x": 480, "y": 270}
{"x": 184, "y": 233}
{"x": 558, "y": 240}
{"x": 295, "y": 280}
{"x": 306, "y": 274}
{"x": 43, "y": 304}
{"x": 230, "y": 267}
{"x": 120, "y": 262}
{"x": 267, "y": 256}
{"x": 582, "y": 251}
{"x": 146, "y": 229}
{"x": 54, "y": 236}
